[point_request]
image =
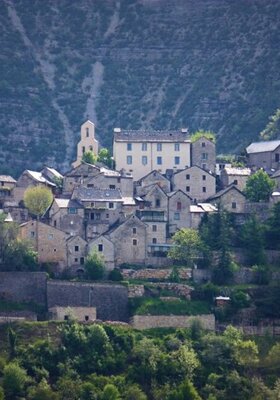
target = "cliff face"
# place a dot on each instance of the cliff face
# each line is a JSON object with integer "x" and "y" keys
{"x": 135, "y": 64}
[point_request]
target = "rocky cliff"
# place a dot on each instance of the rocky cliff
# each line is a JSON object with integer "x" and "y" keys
{"x": 210, "y": 64}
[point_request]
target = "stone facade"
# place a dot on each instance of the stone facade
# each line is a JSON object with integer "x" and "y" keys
{"x": 68, "y": 216}
{"x": 76, "y": 177}
{"x": 104, "y": 247}
{"x": 195, "y": 182}
{"x": 178, "y": 211}
{"x": 172, "y": 321}
{"x": 235, "y": 176}
{"x": 230, "y": 199}
{"x": 76, "y": 253}
{"x": 155, "y": 273}
{"x": 264, "y": 155}
{"x": 110, "y": 301}
{"x": 108, "y": 179}
{"x": 203, "y": 154}
{"x": 81, "y": 314}
{"x": 152, "y": 178}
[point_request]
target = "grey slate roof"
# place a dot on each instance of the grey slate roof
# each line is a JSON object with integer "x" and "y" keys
{"x": 7, "y": 178}
{"x": 261, "y": 147}
{"x": 223, "y": 191}
{"x": 151, "y": 136}
{"x": 93, "y": 194}
{"x": 237, "y": 171}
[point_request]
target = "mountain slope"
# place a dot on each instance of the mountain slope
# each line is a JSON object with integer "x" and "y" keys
{"x": 135, "y": 64}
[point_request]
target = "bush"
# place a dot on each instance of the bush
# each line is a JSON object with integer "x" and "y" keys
{"x": 115, "y": 275}
{"x": 94, "y": 266}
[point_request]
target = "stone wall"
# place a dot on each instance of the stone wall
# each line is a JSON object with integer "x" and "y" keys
{"x": 136, "y": 291}
{"x": 159, "y": 274}
{"x": 24, "y": 287}
{"x": 172, "y": 321}
{"x": 111, "y": 301}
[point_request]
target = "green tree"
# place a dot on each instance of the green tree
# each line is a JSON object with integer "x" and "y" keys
{"x": 273, "y": 228}
{"x": 188, "y": 246}
{"x": 133, "y": 392}
{"x": 2, "y": 394}
{"x": 42, "y": 391}
{"x": 8, "y": 233}
{"x": 252, "y": 239}
{"x": 94, "y": 266}
{"x": 259, "y": 187}
{"x": 104, "y": 156}
{"x": 110, "y": 392}
{"x": 89, "y": 157}
{"x": 272, "y": 129}
{"x": 20, "y": 256}
{"x": 14, "y": 380}
{"x": 38, "y": 199}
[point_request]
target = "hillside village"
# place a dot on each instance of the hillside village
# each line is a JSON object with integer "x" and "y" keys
{"x": 162, "y": 182}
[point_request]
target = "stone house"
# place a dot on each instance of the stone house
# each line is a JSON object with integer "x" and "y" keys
{"x": 67, "y": 215}
{"x": 235, "y": 176}
{"x": 76, "y": 176}
{"x": 81, "y": 314}
{"x": 87, "y": 142}
{"x": 140, "y": 152}
{"x": 230, "y": 199}
{"x": 276, "y": 178}
{"x": 30, "y": 179}
{"x": 178, "y": 211}
{"x": 196, "y": 182}
{"x": 203, "y": 154}
{"x": 7, "y": 183}
{"x": 49, "y": 242}
{"x": 130, "y": 241}
{"x": 76, "y": 248}
{"x": 109, "y": 179}
{"x": 103, "y": 208}
{"x": 264, "y": 155}
{"x": 152, "y": 178}
{"x": 17, "y": 211}
{"x": 197, "y": 212}
{"x": 104, "y": 247}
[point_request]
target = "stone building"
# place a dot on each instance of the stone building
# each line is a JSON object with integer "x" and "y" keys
{"x": 109, "y": 179}
{"x": 264, "y": 155}
{"x": 152, "y": 178}
{"x": 140, "y": 152}
{"x": 178, "y": 211}
{"x": 276, "y": 178}
{"x": 87, "y": 142}
{"x": 130, "y": 241}
{"x": 235, "y": 176}
{"x": 76, "y": 250}
{"x": 77, "y": 176}
{"x": 105, "y": 248}
{"x": 197, "y": 212}
{"x": 7, "y": 183}
{"x": 49, "y": 242}
{"x": 196, "y": 182}
{"x": 81, "y": 314}
{"x": 230, "y": 199}
{"x": 203, "y": 154}
{"x": 30, "y": 179}
{"x": 67, "y": 215}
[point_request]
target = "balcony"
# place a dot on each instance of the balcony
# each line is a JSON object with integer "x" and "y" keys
{"x": 151, "y": 216}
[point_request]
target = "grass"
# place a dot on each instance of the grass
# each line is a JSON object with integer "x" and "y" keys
{"x": 172, "y": 307}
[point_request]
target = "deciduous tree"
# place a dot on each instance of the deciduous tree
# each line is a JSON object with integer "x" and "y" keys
{"x": 259, "y": 187}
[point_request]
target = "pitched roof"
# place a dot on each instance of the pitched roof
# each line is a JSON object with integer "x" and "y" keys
{"x": 192, "y": 167}
{"x": 66, "y": 203}
{"x": 276, "y": 174}
{"x": 261, "y": 147}
{"x": 93, "y": 194}
{"x": 151, "y": 136}
{"x": 37, "y": 176}
{"x": 54, "y": 172}
{"x": 7, "y": 178}
{"x": 223, "y": 191}
{"x": 155, "y": 173}
{"x": 177, "y": 191}
{"x": 202, "y": 208}
{"x": 237, "y": 171}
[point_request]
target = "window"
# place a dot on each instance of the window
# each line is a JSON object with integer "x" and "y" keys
{"x": 144, "y": 146}
{"x": 159, "y": 147}
{"x": 157, "y": 202}
{"x": 233, "y": 204}
{"x": 90, "y": 185}
{"x": 159, "y": 160}
{"x": 92, "y": 216}
{"x": 277, "y": 156}
{"x": 32, "y": 234}
{"x": 177, "y": 146}
{"x": 87, "y": 132}
{"x": 144, "y": 160}
{"x": 203, "y": 144}
{"x": 82, "y": 260}
{"x": 134, "y": 242}
{"x": 179, "y": 206}
{"x": 72, "y": 210}
{"x": 54, "y": 223}
{"x": 66, "y": 317}
{"x": 154, "y": 240}
{"x": 111, "y": 205}
{"x": 134, "y": 230}
{"x": 129, "y": 160}
{"x": 235, "y": 182}
{"x": 86, "y": 318}
{"x": 98, "y": 217}
{"x": 119, "y": 180}
{"x": 90, "y": 148}
{"x": 177, "y": 160}
{"x": 50, "y": 236}
{"x": 92, "y": 204}
{"x": 204, "y": 177}
{"x": 129, "y": 146}
{"x": 154, "y": 228}
{"x": 54, "y": 250}
{"x": 204, "y": 156}
{"x": 107, "y": 215}
{"x": 112, "y": 186}
{"x": 83, "y": 149}
{"x": 187, "y": 189}
{"x": 177, "y": 216}
{"x": 204, "y": 166}
{"x": 76, "y": 248}
{"x": 204, "y": 189}
{"x": 188, "y": 176}
{"x": 100, "y": 247}
{"x": 76, "y": 260}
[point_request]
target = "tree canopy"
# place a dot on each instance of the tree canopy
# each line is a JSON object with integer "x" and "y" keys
{"x": 259, "y": 186}
{"x": 187, "y": 246}
{"x": 38, "y": 199}
{"x": 89, "y": 157}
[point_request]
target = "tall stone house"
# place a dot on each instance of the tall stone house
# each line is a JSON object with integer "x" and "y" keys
{"x": 235, "y": 176}
{"x": 264, "y": 155}
{"x": 203, "y": 154}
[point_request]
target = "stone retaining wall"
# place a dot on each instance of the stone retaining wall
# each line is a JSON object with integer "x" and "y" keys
{"x": 172, "y": 321}
{"x": 151, "y": 273}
